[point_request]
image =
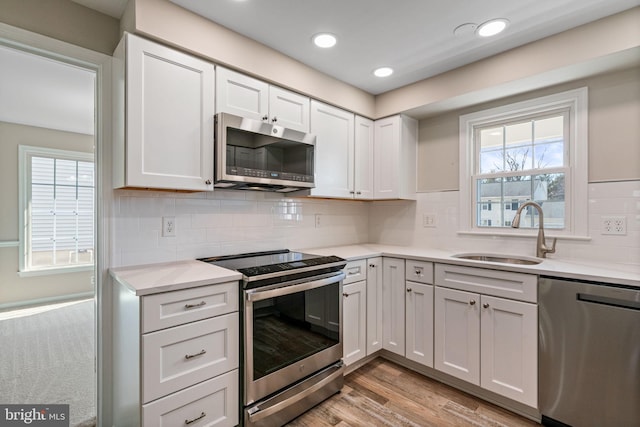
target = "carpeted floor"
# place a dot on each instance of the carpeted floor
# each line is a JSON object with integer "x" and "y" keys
{"x": 47, "y": 356}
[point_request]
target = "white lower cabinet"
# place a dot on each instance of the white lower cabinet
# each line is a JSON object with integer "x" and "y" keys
{"x": 354, "y": 309}
{"x": 393, "y": 300}
{"x": 210, "y": 403}
{"x": 487, "y": 340}
{"x": 419, "y": 318}
{"x": 374, "y": 305}
{"x": 176, "y": 357}
{"x": 419, "y": 311}
{"x": 362, "y": 309}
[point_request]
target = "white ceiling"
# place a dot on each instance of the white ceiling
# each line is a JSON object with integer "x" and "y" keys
{"x": 42, "y": 92}
{"x": 415, "y": 37}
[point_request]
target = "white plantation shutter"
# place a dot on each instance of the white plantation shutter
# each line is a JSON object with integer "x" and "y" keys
{"x": 59, "y": 205}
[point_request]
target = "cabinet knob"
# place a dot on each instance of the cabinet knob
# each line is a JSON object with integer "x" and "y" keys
{"x": 265, "y": 118}
{"x": 351, "y": 192}
{"x": 472, "y": 302}
{"x": 418, "y": 271}
{"x": 358, "y": 192}
{"x": 485, "y": 305}
{"x": 372, "y": 266}
{"x": 409, "y": 289}
{"x": 346, "y": 295}
{"x": 208, "y": 182}
{"x": 275, "y": 119}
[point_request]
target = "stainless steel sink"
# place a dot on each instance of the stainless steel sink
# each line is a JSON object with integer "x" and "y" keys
{"x": 504, "y": 259}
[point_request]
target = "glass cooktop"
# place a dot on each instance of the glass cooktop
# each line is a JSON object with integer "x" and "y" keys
{"x": 269, "y": 262}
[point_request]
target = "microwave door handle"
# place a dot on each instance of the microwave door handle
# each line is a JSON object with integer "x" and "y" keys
{"x": 257, "y": 295}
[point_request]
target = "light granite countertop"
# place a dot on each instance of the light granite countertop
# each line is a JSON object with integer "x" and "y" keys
{"x": 172, "y": 276}
{"x": 628, "y": 275}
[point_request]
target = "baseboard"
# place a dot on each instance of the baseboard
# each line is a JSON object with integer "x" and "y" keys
{"x": 48, "y": 300}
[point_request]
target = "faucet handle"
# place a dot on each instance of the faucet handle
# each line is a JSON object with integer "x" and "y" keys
{"x": 552, "y": 249}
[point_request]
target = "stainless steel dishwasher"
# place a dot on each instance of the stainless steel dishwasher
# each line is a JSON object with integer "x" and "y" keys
{"x": 589, "y": 354}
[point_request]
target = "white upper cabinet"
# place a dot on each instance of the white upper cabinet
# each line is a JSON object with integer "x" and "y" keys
{"x": 245, "y": 96}
{"x": 363, "y": 159}
{"x": 334, "y": 131}
{"x": 395, "y": 158}
{"x": 163, "y": 118}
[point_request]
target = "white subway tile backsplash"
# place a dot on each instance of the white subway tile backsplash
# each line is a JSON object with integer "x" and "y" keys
{"x": 224, "y": 222}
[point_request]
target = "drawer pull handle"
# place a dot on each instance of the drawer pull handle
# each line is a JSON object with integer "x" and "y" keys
{"x": 472, "y": 302}
{"x": 202, "y": 415}
{"x": 418, "y": 271}
{"x": 200, "y": 304}
{"x": 485, "y": 305}
{"x": 372, "y": 266}
{"x": 191, "y": 356}
{"x": 409, "y": 289}
{"x": 346, "y": 295}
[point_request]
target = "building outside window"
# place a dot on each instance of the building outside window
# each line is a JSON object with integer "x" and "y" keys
{"x": 533, "y": 150}
{"x": 57, "y": 209}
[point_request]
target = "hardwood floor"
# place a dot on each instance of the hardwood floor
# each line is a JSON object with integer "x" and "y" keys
{"x": 383, "y": 393}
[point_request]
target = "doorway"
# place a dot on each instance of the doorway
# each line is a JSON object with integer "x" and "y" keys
{"x": 48, "y": 244}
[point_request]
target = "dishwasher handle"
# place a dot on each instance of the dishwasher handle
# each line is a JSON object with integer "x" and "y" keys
{"x": 615, "y": 302}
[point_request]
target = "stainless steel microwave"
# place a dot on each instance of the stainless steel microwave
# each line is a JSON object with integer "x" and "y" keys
{"x": 255, "y": 155}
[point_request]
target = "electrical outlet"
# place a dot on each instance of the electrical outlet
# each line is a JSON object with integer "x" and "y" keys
{"x": 429, "y": 220}
{"x": 168, "y": 226}
{"x": 614, "y": 225}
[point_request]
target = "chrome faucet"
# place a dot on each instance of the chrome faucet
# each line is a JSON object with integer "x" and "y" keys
{"x": 541, "y": 246}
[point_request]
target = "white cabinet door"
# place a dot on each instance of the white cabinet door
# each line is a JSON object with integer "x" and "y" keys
{"x": 354, "y": 317}
{"x": 363, "y": 158}
{"x": 374, "y": 305}
{"x": 289, "y": 109}
{"x": 334, "y": 130}
{"x": 241, "y": 95}
{"x": 457, "y": 334}
{"x": 419, "y": 319}
{"x": 509, "y": 355}
{"x": 245, "y": 96}
{"x": 393, "y": 299}
{"x": 168, "y": 140}
{"x": 395, "y": 158}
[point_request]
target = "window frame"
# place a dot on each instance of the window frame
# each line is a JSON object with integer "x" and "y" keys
{"x": 25, "y": 153}
{"x": 576, "y": 165}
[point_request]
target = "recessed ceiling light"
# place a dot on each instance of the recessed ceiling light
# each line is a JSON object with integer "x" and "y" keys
{"x": 493, "y": 27}
{"x": 324, "y": 40}
{"x": 383, "y": 72}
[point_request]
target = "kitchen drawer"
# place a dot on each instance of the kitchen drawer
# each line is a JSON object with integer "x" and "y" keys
{"x": 174, "y": 308}
{"x": 506, "y": 284}
{"x": 419, "y": 271}
{"x": 355, "y": 271}
{"x": 176, "y": 358}
{"x": 211, "y": 403}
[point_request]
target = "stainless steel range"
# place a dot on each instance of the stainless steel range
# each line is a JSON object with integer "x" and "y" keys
{"x": 292, "y": 332}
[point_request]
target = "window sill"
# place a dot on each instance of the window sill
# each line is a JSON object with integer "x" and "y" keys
{"x": 533, "y": 234}
{"x": 59, "y": 270}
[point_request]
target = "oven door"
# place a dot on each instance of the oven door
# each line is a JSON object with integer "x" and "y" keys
{"x": 291, "y": 332}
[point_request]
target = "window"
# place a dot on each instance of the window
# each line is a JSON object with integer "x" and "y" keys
{"x": 533, "y": 150}
{"x": 57, "y": 205}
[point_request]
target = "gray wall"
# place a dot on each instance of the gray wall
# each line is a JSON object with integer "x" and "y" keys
{"x": 13, "y": 288}
{"x": 614, "y": 132}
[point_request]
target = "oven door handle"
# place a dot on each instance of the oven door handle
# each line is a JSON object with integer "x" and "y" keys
{"x": 257, "y": 295}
